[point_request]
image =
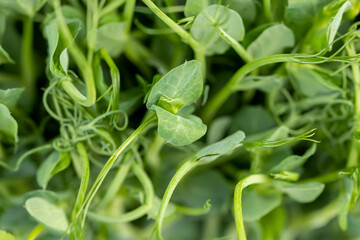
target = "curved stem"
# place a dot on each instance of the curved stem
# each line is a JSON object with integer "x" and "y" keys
{"x": 250, "y": 180}
{"x": 218, "y": 100}
{"x": 138, "y": 212}
{"x": 105, "y": 170}
{"x": 180, "y": 173}
{"x": 35, "y": 232}
{"x": 81, "y": 62}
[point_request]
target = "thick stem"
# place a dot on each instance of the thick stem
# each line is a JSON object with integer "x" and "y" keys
{"x": 353, "y": 157}
{"x": 250, "y": 180}
{"x": 76, "y": 232}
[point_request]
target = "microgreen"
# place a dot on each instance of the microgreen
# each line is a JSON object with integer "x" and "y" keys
{"x": 179, "y": 119}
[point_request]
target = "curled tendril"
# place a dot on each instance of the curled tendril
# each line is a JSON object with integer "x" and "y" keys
{"x": 62, "y": 145}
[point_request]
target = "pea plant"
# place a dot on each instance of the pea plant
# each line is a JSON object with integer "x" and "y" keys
{"x": 179, "y": 119}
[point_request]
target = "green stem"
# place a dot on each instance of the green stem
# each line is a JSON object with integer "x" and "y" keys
{"x": 355, "y": 145}
{"x": 138, "y": 212}
{"x": 239, "y": 49}
{"x": 218, "y": 100}
{"x": 115, "y": 185}
{"x": 35, "y": 232}
{"x": 180, "y": 173}
{"x": 267, "y": 10}
{"x": 199, "y": 51}
{"x": 27, "y": 58}
{"x": 250, "y": 180}
{"x": 81, "y": 61}
{"x": 112, "y": 6}
{"x": 105, "y": 170}
{"x": 129, "y": 14}
{"x": 23, "y": 157}
{"x": 76, "y": 231}
{"x": 92, "y": 18}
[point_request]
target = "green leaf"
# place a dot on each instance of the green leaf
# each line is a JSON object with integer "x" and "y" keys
{"x": 194, "y": 7}
{"x": 345, "y": 203}
{"x": 246, "y": 9}
{"x": 272, "y": 40}
{"x": 310, "y": 83}
{"x": 259, "y": 201}
{"x": 183, "y": 82}
{"x": 301, "y": 192}
{"x": 57, "y": 47}
{"x": 335, "y": 24}
{"x": 11, "y": 96}
{"x": 218, "y": 129}
{"x": 6, "y": 236}
{"x": 47, "y": 213}
{"x": 301, "y": 13}
{"x": 4, "y": 57}
{"x": 263, "y": 83}
{"x": 53, "y": 164}
{"x": 294, "y": 161}
{"x": 8, "y": 125}
{"x": 112, "y": 37}
{"x": 194, "y": 191}
{"x": 252, "y": 120}
{"x": 207, "y": 24}
{"x": 179, "y": 130}
{"x": 213, "y": 151}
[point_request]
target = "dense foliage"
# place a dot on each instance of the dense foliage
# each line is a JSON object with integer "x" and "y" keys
{"x": 174, "y": 119}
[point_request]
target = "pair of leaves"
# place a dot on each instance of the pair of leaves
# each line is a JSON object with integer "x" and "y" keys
{"x": 171, "y": 98}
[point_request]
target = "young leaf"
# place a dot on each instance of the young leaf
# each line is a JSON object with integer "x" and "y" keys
{"x": 10, "y": 97}
{"x": 183, "y": 82}
{"x": 272, "y": 40}
{"x": 312, "y": 84}
{"x": 258, "y": 202}
{"x": 246, "y": 9}
{"x": 194, "y": 7}
{"x": 213, "y": 151}
{"x": 335, "y": 24}
{"x": 179, "y": 130}
{"x": 6, "y": 236}
{"x": 294, "y": 161}
{"x": 8, "y": 126}
{"x": 301, "y": 192}
{"x": 53, "y": 164}
{"x": 207, "y": 24}
{"x": 112, "y": 37}
{"x": 4, "y": 56}
{"x": 47, "y": 213}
